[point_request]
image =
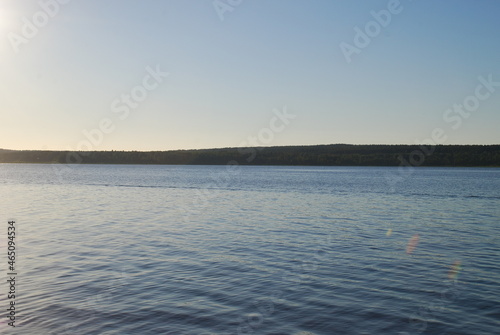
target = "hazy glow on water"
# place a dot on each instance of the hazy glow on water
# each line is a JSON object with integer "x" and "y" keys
{"x": 260, "y": 250}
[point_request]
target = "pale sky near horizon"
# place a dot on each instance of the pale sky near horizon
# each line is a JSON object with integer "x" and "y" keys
{"x": 67, "y": 67}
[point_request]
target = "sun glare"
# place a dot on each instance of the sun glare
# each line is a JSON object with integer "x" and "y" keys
{"x": 8, "y": 25}
{"x": 3, "y": 19}
{"x": 6, "y": 21}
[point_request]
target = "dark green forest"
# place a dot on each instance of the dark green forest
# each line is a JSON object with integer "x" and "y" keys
{"x": 319, "y": 155}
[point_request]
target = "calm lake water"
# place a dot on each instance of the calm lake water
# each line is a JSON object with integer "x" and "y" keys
{"x": 198, "y": 250}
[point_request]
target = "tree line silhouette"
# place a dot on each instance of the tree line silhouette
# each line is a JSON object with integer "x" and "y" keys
{"x": 319, "y": 155}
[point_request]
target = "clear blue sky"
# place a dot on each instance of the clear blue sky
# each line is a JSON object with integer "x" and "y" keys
{"x": 225, "y": 77}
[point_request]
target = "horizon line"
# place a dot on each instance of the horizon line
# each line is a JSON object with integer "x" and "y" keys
{"x": 241, "y": 147}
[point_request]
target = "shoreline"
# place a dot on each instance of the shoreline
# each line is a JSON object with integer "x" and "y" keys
{"x": 314, "y": 155}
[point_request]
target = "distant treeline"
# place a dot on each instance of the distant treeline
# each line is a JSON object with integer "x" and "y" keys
{"x": 324, "y": 155}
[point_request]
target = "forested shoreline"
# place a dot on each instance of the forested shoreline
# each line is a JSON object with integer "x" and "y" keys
{"x": 315, "y": 155}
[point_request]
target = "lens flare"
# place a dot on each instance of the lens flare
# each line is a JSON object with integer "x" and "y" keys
{"x": 454, "y": 270}
{"x": 412, "y": 243}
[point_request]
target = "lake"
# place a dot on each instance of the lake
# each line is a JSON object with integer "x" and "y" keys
{"x": 199, "y": 250}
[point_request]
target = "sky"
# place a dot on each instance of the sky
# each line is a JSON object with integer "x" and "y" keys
{"x": 192, "y": 74}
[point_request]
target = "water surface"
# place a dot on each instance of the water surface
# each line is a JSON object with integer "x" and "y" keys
{"x": 128, "y": 249}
